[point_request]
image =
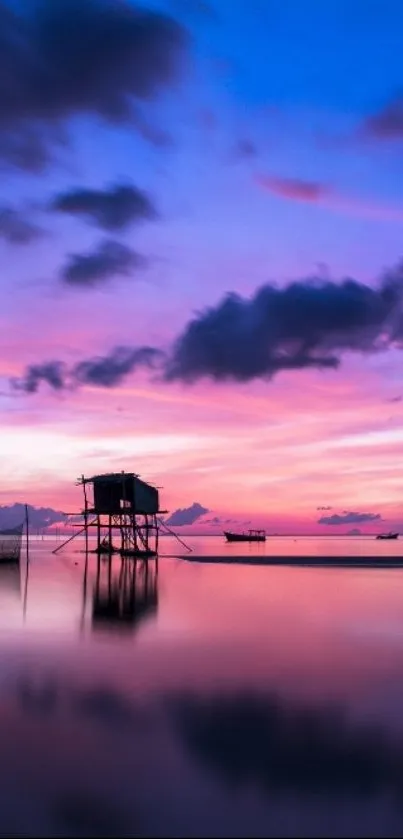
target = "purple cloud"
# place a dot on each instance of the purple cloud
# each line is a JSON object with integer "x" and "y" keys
{"x": 349, "y": 518}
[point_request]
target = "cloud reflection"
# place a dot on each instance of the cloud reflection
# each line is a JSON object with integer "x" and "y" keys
{"x": 105, "y": 706}
{"x": 277, "y": 745}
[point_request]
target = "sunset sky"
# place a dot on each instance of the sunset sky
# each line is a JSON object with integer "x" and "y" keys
{"x": 156, "y": 159}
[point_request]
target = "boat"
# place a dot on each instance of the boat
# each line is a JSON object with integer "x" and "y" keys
{"x": 387, "y": 535}
{"x": 250, "y": 536}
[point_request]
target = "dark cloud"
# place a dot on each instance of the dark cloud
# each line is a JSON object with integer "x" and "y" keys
{"x": 62, "y": 59}
{"x": 355, "y": 531}
{"x": 311, "y": 323}
{"x": 110, "y": 259}
{"x": 349, "y": 518}
{"x": 110, "y": 209}
{"x": 324, "y": 508}
{"x": 51, "y": 372}
{"x": 109, "y": 370}
{"x": 33, "y": 150}
{"x": 295, "y": 189}
{"x": 103, "y": 371}
{"x": 394, "y": 399}
{"x": 187, "y": 515}
{"x": 156, "y": 136}
{"x": 16, "y": 229}
{"x": 306, "y": 324}
{"x": 387, "y": 123}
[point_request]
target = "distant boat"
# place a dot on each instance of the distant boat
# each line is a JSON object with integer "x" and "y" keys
{"x": 250, "y": 536}
{"x": 387, "y": 535}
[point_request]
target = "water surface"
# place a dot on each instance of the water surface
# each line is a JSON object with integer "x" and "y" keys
{"x": 201, "y": 700}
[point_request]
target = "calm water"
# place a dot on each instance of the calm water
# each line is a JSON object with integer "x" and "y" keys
{"x": 203, "y": 700}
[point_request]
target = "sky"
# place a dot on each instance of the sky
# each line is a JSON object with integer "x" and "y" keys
{"x": 201, "y": 246}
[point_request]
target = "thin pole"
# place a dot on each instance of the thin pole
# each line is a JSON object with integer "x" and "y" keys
{"x": 27, "y": 526}
{"x": 172, "y": 532}
{"x": 24, "y": 609}
{"x": 156, "y": 534}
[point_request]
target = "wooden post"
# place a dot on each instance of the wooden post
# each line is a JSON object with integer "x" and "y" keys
{"x": 125, "y": 540}
{"x": 85, "y": 515}
{"x": 27, "y": 529}
{"x": 24, "y": 607}
{"x": 156, "y": 535}
{"x": 98, "y": 533}
{"x": 147, "y": 532}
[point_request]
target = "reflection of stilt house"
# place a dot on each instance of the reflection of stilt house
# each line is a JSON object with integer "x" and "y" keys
{"x": 10, "y": 594}
{"x": 125, "y": 510}
{"x": 124, "y": 593}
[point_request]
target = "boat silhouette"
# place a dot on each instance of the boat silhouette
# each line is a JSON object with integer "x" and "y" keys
{"x": 249, "y": 536}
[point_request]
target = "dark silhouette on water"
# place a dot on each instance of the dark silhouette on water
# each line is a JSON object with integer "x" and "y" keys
{"x": 126, "y": 507}
{"x": 250, "y": 536}
{"x": 125, "y": 592}
{"x": 390, "y": 535}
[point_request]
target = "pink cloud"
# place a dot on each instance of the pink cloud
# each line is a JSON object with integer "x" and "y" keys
{"x": 311, "y": 192}
{"x": 296, "y": 189}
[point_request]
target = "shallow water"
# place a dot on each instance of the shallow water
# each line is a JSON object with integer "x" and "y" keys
{"x": 202, "y": 699}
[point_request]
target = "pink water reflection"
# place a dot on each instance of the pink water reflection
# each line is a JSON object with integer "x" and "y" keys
{"x": 307, "y": 661}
